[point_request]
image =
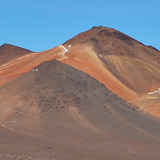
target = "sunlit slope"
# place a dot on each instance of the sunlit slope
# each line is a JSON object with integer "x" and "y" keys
{"x": 138, "y": 75}
{"x": 83, "y": 58}
{"x": 23, "y": 64}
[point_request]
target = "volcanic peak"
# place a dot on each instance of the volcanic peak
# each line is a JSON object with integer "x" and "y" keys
{"x": 98, "y": 32}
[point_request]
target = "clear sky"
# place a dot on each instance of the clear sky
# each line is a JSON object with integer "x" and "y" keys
{"x": 42, "y": 24}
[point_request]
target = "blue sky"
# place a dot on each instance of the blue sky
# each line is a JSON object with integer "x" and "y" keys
{"x": 42, "y": 24}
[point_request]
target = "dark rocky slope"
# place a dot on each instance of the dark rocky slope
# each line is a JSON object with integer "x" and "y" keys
{"x": 76, "y": 116}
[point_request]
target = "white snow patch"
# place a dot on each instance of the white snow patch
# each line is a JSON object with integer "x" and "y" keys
{"x": 157, "y": 91}
{"x": 69, "y": 46}
{"x": 36, "y": 69}
{"x": 65, "y": 50}
{"x": 151, "y": 93}
{"x": 3, "y": 66}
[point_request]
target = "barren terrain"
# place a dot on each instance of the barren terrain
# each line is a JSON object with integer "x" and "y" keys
{"x": 86, "y": 99}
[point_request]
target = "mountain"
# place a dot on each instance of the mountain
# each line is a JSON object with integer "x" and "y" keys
{"x": 125, "y": 66}
{"x": 9, "y": 52}
{"x": 135, "y": 65}
{"x": 55, "y": 111}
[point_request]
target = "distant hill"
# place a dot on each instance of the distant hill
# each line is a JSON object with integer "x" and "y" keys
{"x": 9, "y": 52}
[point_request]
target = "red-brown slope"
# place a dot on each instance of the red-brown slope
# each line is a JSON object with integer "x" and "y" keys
{"x": 9, "y": 52}
{"x": 82, "y": 57}
{"x": 23, "y": 64}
